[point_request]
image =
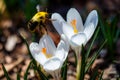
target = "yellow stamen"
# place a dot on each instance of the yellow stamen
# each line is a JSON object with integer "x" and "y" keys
{"x": 73, "y": 23}
{"x": 44, "y": 51}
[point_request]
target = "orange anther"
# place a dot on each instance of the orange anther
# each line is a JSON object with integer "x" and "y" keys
{"x": 73, "y": 23}
{"x": 44, "y": 50}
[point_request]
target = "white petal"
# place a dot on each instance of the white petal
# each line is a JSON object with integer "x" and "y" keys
{"x": 37, "y": 55}
{"x": 92, "y": 18}
{"x": 60, "y": 54}
{"x": 34, "y": 47}
{"x": 47, "y": 42}
{"x": 52, "y": 64}
{"x": 89, "y": 30}
{"x": 68, "y": 30}
{"x": 62, "y": 50}
{"x": 78, "y": 39}
{"x": 57, "y": 22}
{"x": 64, "y": 38}
{"x": 74, "y": 14}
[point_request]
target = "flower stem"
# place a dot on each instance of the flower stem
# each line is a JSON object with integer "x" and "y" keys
{"x": 78, "y": 69}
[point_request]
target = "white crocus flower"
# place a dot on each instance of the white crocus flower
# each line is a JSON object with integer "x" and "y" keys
{"x": 49, "y": 56}
{"x": 76, "y": 33}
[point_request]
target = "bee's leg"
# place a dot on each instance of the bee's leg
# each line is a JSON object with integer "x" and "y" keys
{"x": 45, "y": 27}
{"x": 41, "y": 30}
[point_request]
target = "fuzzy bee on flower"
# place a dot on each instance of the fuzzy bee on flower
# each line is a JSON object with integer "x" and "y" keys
{"x": 41, "y": 23}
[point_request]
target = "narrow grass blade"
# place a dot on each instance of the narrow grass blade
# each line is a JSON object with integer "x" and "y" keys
{"x": 18, "y": 76}
{"x": 26, "y": 73}
{"x": 114, "y": 24}
{"x": 64, "y": 71}
{"x": 117, "y": 35}
{"x": 100, "y": 77}
{"x": 41, "y": 75}
{"x": 95, "y": 75}
{"x": 102, "y": 25}
{"x": 5, "y": 73}
{"x": 76, "y": 60}
{"x": 94, "y": 57}
{"x": 27, "y": 45}
{"x": 94, "y": 37}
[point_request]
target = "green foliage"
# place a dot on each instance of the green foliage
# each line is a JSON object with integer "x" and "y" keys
{"x": 5, "y": 73}
{"x": 14, "y": 5}
{"x": 30, "y": 8}
{"x": 76, "y": 61}
{"x": 92, "y": 59}
{"x": 83, "y": 64}
{"x": 64, "y": 70}
{"x": 26, "y": 73}
{"x": 100, "y": 77}
{"x": 41, "y": 74}
{"x": 18, "y": 76}
{"x": 94, "y": 37}
{"x": 27, "y": 45}
{"x": 111, "y": 33}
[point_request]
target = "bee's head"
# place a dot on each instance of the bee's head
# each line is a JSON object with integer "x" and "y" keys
{"x": 37, "y": 20}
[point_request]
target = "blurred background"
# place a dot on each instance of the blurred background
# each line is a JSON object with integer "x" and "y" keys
{"x": 15, "y": 14}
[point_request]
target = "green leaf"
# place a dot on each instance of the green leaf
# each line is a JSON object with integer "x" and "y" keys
{"x": 26, "y": 73}
{"x": 94, "y": 57}
{"x": 114, "y": 24}
{"x": 41, "y": 75}
{"x": 110, "y": 33}
{"x": 95, "y": 75}
{"x": 27, "y": 45}
{"x": 18, "y": 76}
{"x": 30, "y": 6}
{"x": 102, "y": 25}
{"x": 64, "y": 70}
{"x": 100, "y": 77}
{"x": 94, "y": 37}
{"x": 117, "y": 35}
{"x": 22, "y": 36}
{"x": 83, "y": 64}
{"x": 5, "y": 73}
{"x": 75, "y": 56}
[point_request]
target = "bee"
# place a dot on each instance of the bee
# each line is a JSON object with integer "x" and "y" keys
{"x": 38, "y": 21}
{"x": 42, "y": 24}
